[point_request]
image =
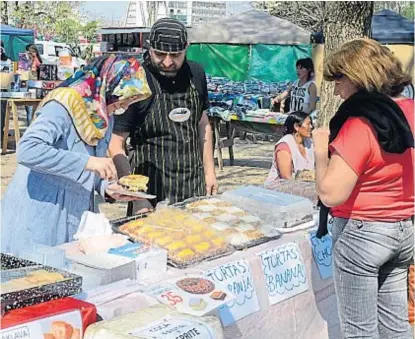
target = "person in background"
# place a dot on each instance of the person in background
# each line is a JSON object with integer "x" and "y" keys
{"x": 303, "y": 92}
{"x": 368, "y": 184}
{"x": 36, "y": 61}
{"x": 62, "y": 155}
{"x": 294, "y": 152}
{"x": 170, "y": 132}
{"x": 4, "y": 58}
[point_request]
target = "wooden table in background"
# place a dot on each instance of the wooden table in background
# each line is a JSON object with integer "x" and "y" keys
{"x": 13, "y": 104}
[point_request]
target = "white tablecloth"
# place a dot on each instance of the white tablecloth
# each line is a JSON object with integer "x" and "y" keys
{"x": 309, "y": 315}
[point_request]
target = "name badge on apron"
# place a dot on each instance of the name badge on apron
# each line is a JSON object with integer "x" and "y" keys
{"x": 180, "y": 114}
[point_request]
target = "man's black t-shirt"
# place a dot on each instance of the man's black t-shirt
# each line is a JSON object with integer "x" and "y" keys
{"x": 134, "y": 117}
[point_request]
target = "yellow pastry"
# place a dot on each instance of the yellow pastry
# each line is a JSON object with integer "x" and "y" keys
{"x": 164, "y": 241}
{"x": 191, "y": 239}
{"x": 184, "y": 254}
{"x": 218, "y": 242}
{"x": 209, "y": 234}
{"x": 176, "y": 245}
{"x": 201, "y": 247}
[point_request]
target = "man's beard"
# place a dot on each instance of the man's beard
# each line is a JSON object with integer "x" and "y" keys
{"x": 167, "y": 74}
{"x": 157, "y": 68}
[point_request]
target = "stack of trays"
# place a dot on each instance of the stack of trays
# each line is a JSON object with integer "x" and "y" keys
{"x": 25, "y": 283}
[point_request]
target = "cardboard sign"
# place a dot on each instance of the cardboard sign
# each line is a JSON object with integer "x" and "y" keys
{"x": 284, "y": 272}
{"x": 191, "y": 294}
{"x": 237, "y": 277}
{"x": 322, "y": 252}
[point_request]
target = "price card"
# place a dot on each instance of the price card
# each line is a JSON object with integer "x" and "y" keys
{"x": 284, "y": 272}
{"x": 237, "y": 277}
{"x": 69, "y": 323}
{"x": 191, "y": 294}
{"x": 322, "y": 253}
{"x": 175, "y": 328}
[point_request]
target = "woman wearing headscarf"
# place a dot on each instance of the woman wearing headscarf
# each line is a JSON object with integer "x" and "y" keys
{"x": 61, "y": 157}
{"x": 368, "y": 183}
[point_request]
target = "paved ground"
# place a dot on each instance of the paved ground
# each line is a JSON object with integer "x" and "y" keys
{"x": 252, "y": 163}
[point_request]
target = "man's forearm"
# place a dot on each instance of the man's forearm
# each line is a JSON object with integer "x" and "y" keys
{"x": 117, "y": 152}
{"x": 206, "y": 143}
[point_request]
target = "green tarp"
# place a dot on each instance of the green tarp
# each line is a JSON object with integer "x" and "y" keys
{"x": 15, "y": 40}
{"x": 15, "y": 45}
{"x": 244, "y": 62}
{"x": 231, "y": 61}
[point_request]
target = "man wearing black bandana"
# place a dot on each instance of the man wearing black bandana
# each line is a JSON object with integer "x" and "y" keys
{"x": 171, "y": 137}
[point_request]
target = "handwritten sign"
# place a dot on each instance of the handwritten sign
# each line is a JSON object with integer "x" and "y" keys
{"x": 175, "y": 328}
{"x": 284, "y": 272}
{"x": 237, "y": 277}
{"x": 322, "y": 252}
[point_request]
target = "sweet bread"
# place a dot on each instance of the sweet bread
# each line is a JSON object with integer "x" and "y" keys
{"x": 134, "y": 182}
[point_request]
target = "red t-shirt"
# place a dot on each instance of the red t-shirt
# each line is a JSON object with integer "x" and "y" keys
{"x": 385, "y": 188}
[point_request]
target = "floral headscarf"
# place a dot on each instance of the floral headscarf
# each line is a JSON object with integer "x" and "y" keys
{"x": 87, "y": 94}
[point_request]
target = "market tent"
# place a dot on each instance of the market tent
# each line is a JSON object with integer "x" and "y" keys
{"x": 15, "y": 40}
{"x": 389, "y": 27}
{"x": 250, "y": 45}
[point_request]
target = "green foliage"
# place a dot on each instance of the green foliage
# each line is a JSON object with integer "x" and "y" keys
{"x": 408, "y": 11}
{"x": 58, "y": 19}
{"x": 89, "y": 31}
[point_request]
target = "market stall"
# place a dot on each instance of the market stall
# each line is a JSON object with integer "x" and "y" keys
{"x": 23, "y": 86}
{"x": 243, "y": 265}
{"x": 15, "y": 40}
{"x": 249, "y": 58}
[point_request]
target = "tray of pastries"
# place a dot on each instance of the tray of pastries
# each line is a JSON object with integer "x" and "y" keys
{"x": 187, "y": 239}
{"x": 242, "y": 230}
{"x": 25, "y": 283}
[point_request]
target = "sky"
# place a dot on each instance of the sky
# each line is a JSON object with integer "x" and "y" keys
{"x": 108, "y": 9}
{"x": 116, "y": 10}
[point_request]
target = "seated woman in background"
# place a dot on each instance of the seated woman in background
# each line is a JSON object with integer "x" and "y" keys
{"x": 294, "y": 152}
{"x": 303, "y": 92}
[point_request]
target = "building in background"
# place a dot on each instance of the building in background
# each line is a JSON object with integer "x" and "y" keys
{"x": 191, "y": 13}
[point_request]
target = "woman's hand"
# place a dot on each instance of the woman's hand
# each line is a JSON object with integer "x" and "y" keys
{"x": 321, "y": 140}
{"x": 104, "y": 167}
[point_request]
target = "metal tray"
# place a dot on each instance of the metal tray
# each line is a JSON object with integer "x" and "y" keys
{"x": 13, "y": 267}
{"x": 116, "y": 224}
{"x": 245, "y": 246}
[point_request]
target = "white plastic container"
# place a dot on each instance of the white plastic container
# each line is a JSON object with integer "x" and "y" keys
{"x": 281, "y": 210}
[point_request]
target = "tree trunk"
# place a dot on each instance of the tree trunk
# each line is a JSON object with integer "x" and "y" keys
{"x": 344, "y": 21}
{"x": 4, "y": 12}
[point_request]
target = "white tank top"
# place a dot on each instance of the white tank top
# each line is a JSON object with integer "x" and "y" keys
{"x": 298, "y": 161}
{"x": 300, "y": 97}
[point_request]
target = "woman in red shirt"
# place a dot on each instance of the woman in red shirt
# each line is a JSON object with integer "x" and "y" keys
{"x": 368, "y": 182}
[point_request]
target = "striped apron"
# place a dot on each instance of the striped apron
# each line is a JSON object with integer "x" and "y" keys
{"x": 169, "y": 152}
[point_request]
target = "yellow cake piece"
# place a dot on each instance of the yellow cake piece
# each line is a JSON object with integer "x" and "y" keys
{"x": 174, "y": 246}
{"x": 218, "y": 242}
{"x": 164, "y": 241}
{"x": 192, "y": 239}
{"x": 184, "y": 254}
{"x": 209, "y": 234}
{"x": 202, "y": 247}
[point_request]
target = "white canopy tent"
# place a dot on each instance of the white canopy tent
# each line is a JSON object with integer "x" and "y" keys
{"x": 250, "y": 28}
